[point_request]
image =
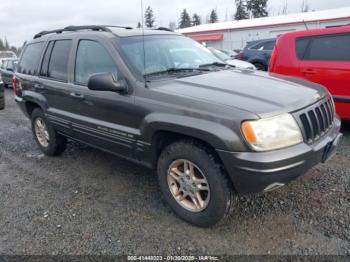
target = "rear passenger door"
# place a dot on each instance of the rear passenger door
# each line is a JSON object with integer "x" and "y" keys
{"x": 103, "y": 119}
{"x": 327, "y": 62}
{"x": 54, "y": 84}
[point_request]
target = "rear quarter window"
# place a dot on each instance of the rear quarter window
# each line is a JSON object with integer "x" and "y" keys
{"x": 30, "y": 59}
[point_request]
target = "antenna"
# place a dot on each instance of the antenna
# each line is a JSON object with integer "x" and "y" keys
{"x": 307, "y": 28}
{"x": 143, "y": 39}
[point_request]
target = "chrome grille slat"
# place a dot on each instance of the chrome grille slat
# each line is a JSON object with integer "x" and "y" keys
{"x": 317, "y": 120}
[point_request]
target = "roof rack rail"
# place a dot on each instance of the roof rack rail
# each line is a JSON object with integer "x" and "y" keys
{"x": 103, "y": 28}
{"x": 164, "y": 29}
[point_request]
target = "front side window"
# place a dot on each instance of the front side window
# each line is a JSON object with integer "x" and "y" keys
{"x": 93, "y": 58}
{"x": 329, "y": 48}
{"x": 30, "y": 59}
{"x": 58, "y": 65}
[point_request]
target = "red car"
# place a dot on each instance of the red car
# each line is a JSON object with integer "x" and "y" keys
{"x": 321, "y": 56}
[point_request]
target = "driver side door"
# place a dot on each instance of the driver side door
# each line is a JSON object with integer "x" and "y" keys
{"x": 103, "y": 119}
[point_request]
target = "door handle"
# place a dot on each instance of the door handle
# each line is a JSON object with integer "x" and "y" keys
{"x": 77, "y": 96}
{"x": 308, "y": 71}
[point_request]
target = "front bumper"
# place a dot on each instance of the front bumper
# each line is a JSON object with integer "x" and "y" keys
{"x": 253, "y": 172}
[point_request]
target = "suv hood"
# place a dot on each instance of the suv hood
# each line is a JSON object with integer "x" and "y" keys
{"x": 257, "y": 92}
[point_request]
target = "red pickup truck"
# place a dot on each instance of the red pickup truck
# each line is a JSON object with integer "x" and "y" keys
{"x": 321, "y": 56}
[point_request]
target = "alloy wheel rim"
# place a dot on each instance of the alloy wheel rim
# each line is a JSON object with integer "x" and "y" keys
{"x": 188, "y": 185}
{"x": 41, "y": 132}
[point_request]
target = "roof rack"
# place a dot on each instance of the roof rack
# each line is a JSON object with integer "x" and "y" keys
{"x": 164, "y": 29}
{"x": 103, "y": 28}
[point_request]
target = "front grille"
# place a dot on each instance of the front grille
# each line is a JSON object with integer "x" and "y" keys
{"x": 317, "y": 120}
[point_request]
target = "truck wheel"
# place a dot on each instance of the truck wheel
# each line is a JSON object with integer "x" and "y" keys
{"x": 194, "y": 183}
{"x": 50, "y": 142}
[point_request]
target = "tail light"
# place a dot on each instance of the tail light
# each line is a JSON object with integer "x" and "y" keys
{"x": 240, "y": 56}
{"x": 273, "y": 59}
{"x": 16, "y": 86}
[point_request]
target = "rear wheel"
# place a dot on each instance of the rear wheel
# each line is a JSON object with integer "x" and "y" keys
{"x": 194, "y": 183}
{"x": 50, "y": 142}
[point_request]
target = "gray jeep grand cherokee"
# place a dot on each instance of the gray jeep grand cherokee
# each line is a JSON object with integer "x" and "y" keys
{"x": 164, "y": 101}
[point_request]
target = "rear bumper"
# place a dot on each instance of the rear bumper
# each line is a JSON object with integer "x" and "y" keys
{"x": 253, "y": 172}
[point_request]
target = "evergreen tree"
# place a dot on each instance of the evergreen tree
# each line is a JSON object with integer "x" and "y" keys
{"x": 196, "y": 19}
{"x": 241, "y": 12}
{"x": 213, "y": 18}
{"x": 7, "y": 45}
{"x": 258, "y": 8}
{"x": 2, "y": 47}
{"x": 185, "y": 19}
{"x": 149, "y": 17}
{"x": 139, "y": 25}
{"x": 172, "y": 26}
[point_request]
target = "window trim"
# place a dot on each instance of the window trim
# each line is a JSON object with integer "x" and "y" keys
{"x": 76, "y": 57}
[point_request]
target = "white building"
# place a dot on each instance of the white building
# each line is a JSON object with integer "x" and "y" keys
{"x": 235, "y": 34}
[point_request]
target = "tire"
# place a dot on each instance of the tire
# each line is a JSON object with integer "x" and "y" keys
{"x": 2, "y": 103}
{"x": 56, "y": 143}
{"x": 220, "y": 193}
{"x": 260, "y": 67}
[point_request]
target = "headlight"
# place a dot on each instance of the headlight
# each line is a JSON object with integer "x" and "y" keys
{"x": 272, "y": 133}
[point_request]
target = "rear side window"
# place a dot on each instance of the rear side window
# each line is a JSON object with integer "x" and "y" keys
{"x": 92, "y": 58}
{"x": 30, "y": 59}
{"x": 268, "y": 46}
{"x": 46, "y": 60}
{"x": 58, "y": 62}
{"x": 329, "y": 48}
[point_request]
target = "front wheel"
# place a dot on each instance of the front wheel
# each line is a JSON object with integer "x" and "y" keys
{"x": 194, "y": 183}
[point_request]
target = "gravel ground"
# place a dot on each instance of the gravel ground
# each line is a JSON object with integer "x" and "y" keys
{"x": 89, "y": 202}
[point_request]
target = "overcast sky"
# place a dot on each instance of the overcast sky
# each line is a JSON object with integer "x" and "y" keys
{"x": 21, "y": 19}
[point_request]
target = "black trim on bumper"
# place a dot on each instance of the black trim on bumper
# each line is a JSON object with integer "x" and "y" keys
{"x": 253, "y": 172}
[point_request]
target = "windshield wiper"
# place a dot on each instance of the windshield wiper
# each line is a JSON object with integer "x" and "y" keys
{"x": 217, "y": 64}
{"x": 175, "y": 71}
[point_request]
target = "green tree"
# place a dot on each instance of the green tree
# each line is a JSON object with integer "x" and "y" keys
{"x": 241, "y": 12}
{"x": 172, "y": 26}
{"x": 258, "y": 8}
{"x": 196, "y": 19}
{"x": 7, "y": 45}
{"x": 2, "y": 46}
{"x": 213, "y": 18}
{"x": 149, "y": 17}
{"x": 185, "y": 19}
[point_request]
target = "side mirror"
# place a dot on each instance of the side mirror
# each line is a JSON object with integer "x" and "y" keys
{"x": 106, "y": 82}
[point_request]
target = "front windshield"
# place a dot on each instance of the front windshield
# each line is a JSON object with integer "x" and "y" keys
{"x": 164, "y": 53}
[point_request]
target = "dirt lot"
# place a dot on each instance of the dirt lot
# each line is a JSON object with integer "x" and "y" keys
{"x": 89, "y": 202}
